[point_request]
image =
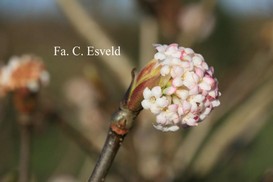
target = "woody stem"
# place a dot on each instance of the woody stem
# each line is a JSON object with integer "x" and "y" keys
{"x": 109, "y": 151}
{"x": 24, "y": 163}
{"x": 121, "y": 122}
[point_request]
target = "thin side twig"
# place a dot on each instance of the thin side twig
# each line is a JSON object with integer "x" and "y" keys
{"x": 24, "y": 163}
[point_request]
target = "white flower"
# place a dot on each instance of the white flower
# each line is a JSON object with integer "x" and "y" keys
{"x": 169, "y": 115}
{"x": 160, "y": 55}
{"x": 153, "y": 100}
{"x": 190, "y": 93}
{"x": 166, "y": 128}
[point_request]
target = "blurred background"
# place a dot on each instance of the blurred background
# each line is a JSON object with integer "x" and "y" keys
{"x": 233, "y": 144}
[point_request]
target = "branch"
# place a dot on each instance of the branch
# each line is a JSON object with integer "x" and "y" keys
{"x": 24, "y": 161}
{"x": 109, "y": 151}
{"x": 121, "y": 123}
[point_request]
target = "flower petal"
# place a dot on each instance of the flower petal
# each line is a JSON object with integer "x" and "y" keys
{"x": 159, "y": 56}
{"x": 156, "y": 91}
{"x": 170, "y": 90}
{"x": 177, "y": 82}
{"x": 147, "y": 93}
{"x": 182, "y": 94}
{"x": 146, "y": 104}
{"x": 162, "y": 102}
{"x": 165, "y": 70}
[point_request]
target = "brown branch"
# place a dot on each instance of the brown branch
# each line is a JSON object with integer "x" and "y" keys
{"x": 109, "y": 151}
{"x": 121, "y": 123}
{"x": 24, "y": 160}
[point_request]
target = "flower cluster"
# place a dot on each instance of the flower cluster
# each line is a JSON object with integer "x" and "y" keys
{"x": 188, "y": 95}
{"x": 23, "y": 72}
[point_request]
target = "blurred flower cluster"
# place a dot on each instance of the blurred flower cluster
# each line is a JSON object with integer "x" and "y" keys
{"x": 26, "y": 72}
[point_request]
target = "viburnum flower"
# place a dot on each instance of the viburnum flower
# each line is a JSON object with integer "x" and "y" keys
{"x": 23, "y": 76}
{"x": 177, "y": 86}
{"x": 26, "y": 72}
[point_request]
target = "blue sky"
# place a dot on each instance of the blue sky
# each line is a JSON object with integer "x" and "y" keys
{"x": 248, "y": 7}
{"x": 14, "y": 9}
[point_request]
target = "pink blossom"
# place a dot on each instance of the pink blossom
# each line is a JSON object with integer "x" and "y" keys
{"x": 189, "y": 94}
{"x": 25, "y": 72}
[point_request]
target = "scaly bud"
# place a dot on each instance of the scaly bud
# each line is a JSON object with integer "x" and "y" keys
{"x": 149, "y": 76}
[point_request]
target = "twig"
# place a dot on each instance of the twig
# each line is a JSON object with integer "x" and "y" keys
{"x": 109, "y": 151}
{"x": 24, "y": 163}
{"x": 121, "y": 122}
